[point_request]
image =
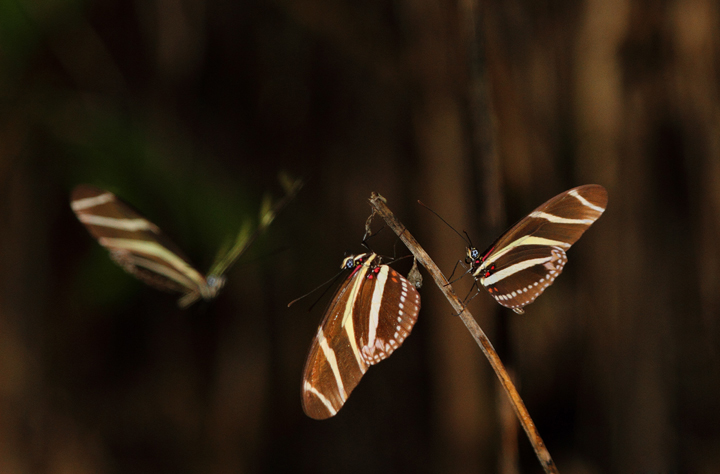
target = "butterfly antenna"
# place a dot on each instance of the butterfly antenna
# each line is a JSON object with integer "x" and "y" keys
{"x": 368, "y": 235}
{"x": 465, "y": 239}
{"x": 468, "y": 238}
{"x": 327, "y": 285}
{"x": 394, "y": 259}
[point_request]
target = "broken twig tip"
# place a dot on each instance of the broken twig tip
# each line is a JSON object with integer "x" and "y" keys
{"x": 375, "y": 196}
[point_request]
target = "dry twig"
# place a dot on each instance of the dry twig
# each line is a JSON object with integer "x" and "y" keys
{"x": 379, "y": 206}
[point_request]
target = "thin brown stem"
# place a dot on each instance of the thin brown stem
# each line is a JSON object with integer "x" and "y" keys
{"x": 379, "y": 205}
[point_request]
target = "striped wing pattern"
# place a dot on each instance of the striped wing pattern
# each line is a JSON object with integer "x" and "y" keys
{"x": 526, "y": 259}
{"x": 139, "y": 246}
{"x": 371, "y": 314}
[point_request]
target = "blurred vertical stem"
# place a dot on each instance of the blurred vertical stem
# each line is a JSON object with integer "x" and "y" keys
{"x": 378, "y": 204}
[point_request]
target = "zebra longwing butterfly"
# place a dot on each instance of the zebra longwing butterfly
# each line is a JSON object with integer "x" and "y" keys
{"x": 526, "y": 259}
{"x": 370, "y": 315}
{"x": 141, "y": 248}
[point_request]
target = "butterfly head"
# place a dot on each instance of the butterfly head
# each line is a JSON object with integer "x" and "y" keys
{"x": 209, "y": 290}
{"x": 477, "y": 261}
{"x": 214, "y": 285}
{"x": 348, "y": 263}
{"x": 354, "y": 261}
{"x": 473, "y": 257}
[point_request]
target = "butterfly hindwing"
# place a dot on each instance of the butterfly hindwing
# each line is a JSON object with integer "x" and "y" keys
{"x": 534, "y": 268}
{"x": 386, "y": 311}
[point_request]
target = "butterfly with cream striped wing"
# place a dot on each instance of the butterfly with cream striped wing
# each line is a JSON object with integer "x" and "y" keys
{"x": 142, "y": 249}
{"x": 370, "y": 315}
{"x": 527, "y": 258}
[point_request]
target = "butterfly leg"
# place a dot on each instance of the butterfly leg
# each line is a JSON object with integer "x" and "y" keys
{"x": 462, "y": 264}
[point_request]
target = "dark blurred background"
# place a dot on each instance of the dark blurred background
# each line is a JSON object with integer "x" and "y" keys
{"x": 189, "y": 109}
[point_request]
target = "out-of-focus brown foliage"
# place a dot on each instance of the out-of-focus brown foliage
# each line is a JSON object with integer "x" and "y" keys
{"x": 189, "y": 109}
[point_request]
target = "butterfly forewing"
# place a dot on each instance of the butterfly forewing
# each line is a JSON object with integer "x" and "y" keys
{"x": 370, "y": 315}
{"x": 136, "y": 244}
{"x": 562, "y": 219}
{"x": 332, "y": 368}
{"x": 528, "y": 257}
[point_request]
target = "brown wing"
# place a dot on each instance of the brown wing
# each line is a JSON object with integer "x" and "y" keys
{"x": 527, "y": 258}
{"x": 533, "y": 268}
{"x": 384, "y": 315}
{"x": 370, "y": 315}
{"x": 583, "y": 204}
{"x": 135, "y": 243}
